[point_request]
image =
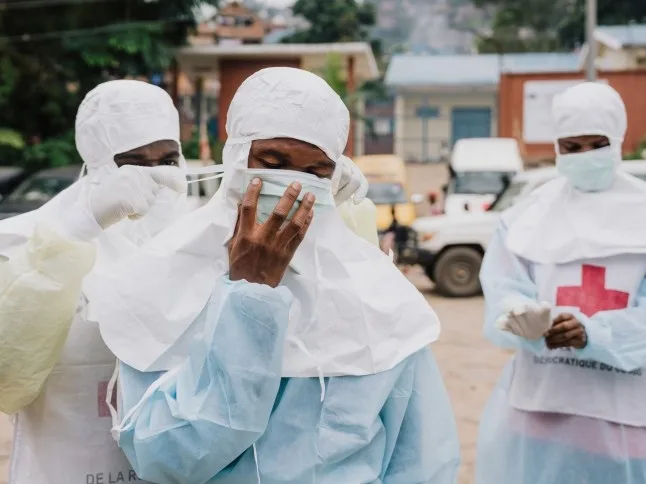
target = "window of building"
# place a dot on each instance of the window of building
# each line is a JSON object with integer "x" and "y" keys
{"x": 382, "y": 126}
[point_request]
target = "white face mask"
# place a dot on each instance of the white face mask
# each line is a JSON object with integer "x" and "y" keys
{"x": 274, "y": 184}
{"x": 591, "y": 171}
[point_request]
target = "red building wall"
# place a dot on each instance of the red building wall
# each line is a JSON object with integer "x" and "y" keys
{"x": 630, "y": 84}
{"x": 233, "y": 72}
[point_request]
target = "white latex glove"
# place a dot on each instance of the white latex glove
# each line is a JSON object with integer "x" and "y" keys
{"x": 528, "y": 320}
{"x": 348, "y": 182}
{"x": 130, "y": 191}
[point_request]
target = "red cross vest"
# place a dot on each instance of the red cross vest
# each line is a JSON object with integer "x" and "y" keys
{"x": 558, "y": 381}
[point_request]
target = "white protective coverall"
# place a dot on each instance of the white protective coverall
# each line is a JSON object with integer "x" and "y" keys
{"x": 570, "y": 416}
{"x": 325, "y": 379}
{"x": 54, "y": 366}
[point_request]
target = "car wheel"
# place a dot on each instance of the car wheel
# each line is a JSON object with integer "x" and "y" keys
{"x": 457, "y": 272}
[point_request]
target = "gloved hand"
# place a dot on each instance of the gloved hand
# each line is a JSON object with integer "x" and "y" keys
{"x": 347, "y": 181}
{"x": 530, "y": 320}
{"x": 130, "y": 191}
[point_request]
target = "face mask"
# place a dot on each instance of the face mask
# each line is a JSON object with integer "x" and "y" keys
{"x": 274, "y": 184}
{"x": 591, "y": 171}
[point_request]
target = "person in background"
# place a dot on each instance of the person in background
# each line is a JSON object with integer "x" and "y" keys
{"x": 54, "y": 367}
{"x": 564, "y": 280}
{"x": 260, "y": 339}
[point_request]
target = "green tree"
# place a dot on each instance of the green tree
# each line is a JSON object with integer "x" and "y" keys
{"x": 52, "y": 52}
{"x": 333, "y": 21}
{"x": 548, "y": 25}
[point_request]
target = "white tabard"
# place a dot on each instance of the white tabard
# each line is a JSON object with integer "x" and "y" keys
{"x": 64, "y": 436}
{"x": 560, "y": 382}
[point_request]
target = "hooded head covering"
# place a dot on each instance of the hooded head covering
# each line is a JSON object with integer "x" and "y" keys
{"x": 559, "y": 224}
{"x": 354, "y": 313}
{"x": 590, "y": 108}
{"x": 115, "y": 117}
{"x": 119, "y": 116}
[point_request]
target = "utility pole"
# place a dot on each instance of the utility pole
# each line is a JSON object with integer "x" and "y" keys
{"x": 590, "y": 27}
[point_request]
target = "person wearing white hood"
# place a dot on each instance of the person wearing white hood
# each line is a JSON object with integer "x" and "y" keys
{"x": 54, "y": 367}
{"x": 269, "y": 343}
{"x": 565, "y": 286}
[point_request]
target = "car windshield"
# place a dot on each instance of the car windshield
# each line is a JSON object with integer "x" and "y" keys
{"x": 387, "y": 193}
{"x": 514, "y": 190}
{"x": 39, "y": 190}
{"x": 508, "y": 197}
{"x": 479, "y": 182}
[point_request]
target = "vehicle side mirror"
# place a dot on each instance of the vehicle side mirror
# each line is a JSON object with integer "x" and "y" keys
{"x": 416, "y": 198}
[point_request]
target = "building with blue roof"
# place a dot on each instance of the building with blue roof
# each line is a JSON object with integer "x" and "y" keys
{"x": 440, "y": 99}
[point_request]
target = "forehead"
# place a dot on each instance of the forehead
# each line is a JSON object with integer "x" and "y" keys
{"x": 584, "y": 140}
{"x": 290, "y": 146}
{"x": 155, "y": 148}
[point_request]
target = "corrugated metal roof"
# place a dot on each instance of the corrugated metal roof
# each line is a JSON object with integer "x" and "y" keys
{"x": 625, "y": 35}
{"x": 408, "y": 70}
{"x": 277, "y": 35}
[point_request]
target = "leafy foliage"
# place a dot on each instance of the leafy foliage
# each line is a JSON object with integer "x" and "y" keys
{"x": 53, "y": 53}
{"x": 545, "y": 25}
{"x": 333, "y": 21}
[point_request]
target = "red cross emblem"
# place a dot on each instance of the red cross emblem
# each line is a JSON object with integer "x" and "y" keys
{"x": 592, "y": 296}
{"x": 104, "y": 410}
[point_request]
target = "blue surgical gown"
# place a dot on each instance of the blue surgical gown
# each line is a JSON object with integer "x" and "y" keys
{"x": 520, "y": 447}
{"x": 227, "y": 416}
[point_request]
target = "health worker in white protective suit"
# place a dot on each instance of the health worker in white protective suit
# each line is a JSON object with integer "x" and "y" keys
{"x": 260, "y": 339}
{"x": 54, "y": 367}
{"x": 564, "y": 280}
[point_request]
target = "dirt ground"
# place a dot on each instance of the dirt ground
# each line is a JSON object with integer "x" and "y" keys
{"x": 469, "y": 364}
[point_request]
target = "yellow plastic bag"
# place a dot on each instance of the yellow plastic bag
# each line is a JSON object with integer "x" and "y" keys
{"x": 361, "y": 219}
{"x": 40, "y": 287}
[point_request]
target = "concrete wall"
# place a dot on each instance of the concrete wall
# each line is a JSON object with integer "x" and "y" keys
{"x": 411, "y": 134}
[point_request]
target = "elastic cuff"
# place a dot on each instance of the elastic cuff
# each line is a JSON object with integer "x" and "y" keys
{"x": 598, "y": 336}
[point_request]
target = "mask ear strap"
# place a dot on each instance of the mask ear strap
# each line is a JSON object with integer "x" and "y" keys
{"x": 83, "y": 171}
{"x": 214, "y": 177}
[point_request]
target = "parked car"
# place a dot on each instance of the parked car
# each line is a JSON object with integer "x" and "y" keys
{"x": 10, "y": 178}
{"x": 454, "y": 245}
{"x": 37, "y": 190}
{"x": 479, "y": 169}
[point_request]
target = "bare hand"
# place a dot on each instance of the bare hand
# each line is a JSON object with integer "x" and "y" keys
{"x": 261, "y": 253}
{"x": 566, "y": 332}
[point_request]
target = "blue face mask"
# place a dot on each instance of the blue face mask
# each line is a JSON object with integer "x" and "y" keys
{"x": 591, "y": 171}
{"x": 274, "y": 184}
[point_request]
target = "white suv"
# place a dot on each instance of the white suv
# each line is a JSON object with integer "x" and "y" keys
{"x": 454, "y": 245}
